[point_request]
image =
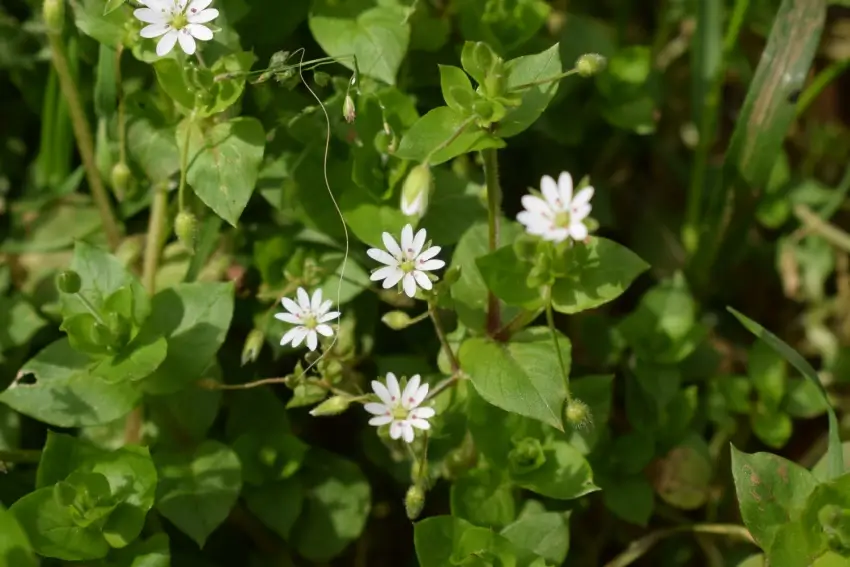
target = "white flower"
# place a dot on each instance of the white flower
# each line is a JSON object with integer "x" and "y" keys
{"x": 406, "y": 264}
{"x": 558, "y": 215}
{"x": 400, "y": 409}
{"x": 310, "y": 316}
{"x": 176, "y": 20}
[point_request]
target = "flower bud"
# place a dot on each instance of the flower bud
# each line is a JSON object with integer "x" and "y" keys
{"x": 414, "y": 501}
{"x": 348, "y": 110}
{"x": 591, "y": 64}
{"x": 578, "y": 414}
{"x": 253, "y": 346}
{"x": 416, "y": 191}
{"x": 53, "y": 12}
{"x": 69, "y": 281}
{"x": 452, "y": 275}
{"x": 120, "y": 178}
{"x": 186, "y": 226}
{"x": 397, "y": 320}
{"x": 526, "y": 456}
{"x": 332, "y": 406}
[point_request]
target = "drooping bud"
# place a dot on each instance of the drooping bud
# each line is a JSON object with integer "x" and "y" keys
{"x": 578, "y": 414}
{"x": 348, "y": 110}
{"x": 416, "y": 191}
{"x": 591, "y": 64}
{"x": 120, "y": 179}
{"x": 414, "y": 501}
{"x": 397, "y": 320}
{"x": 69, "y": 281}
{"x": 332, "y": 406}
{"x": 53, "y": 12}
{"x": 253, "y": 346}
{"x": 186, "y": 225}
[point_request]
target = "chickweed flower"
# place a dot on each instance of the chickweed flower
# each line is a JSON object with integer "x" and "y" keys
{"x": 400, "y": 409}
{"x": 310, "y": 315}
{"x": 407, "y": 263}
{"x": 559, "y": 214}
{"x": 176, "y": 21}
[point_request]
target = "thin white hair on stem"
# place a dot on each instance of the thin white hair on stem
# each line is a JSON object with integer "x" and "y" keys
{"x": 336, "y": 206}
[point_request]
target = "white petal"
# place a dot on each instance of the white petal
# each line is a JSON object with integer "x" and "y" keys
{"x": 430, "y": 253}
{"x": 384, "y": 273}
{"x": 407, "y": 431}
{"x": 323, "y": 308}
{"x": 535, "y": 204}
{"x": 298, "y": 336}
{"x": 197, "y": 5}
{"x": 557, "y": 235}
{"x": 579, "y": 213}
{"x": 303, "y": 299}
{"x": 423, "y": 280}
{"x": 565, "y": 188}
{"x": 393, "y": 278}
{"x": 382, "y": 392}
{"x": 550, "y": 192}
{"x": 419, "y": 241}
{"x": 150, "y": 16}
{"x": 391, "y": 245}
{"x": 431, "y": 265}
{"x": 187, "y": 42}
{"x": 325, "y": 330}
{"x": 312, "y": 339}
{"x": 420, "y": 395}
{"x": 288, "y": 318}
{"x": 154, "y": 30}
{"x": 409, "y": 394}
{"x": 289, "y": 335}
{"x": 395, "y": 430}
{"x": 376, "y": 408}
{"x": 381, "y": 256}
{"x": 526, "y": 218}
{"x": 578, "y": 231}
{"x": 407, "y": 239}
{"x": 166, "y": 44}
{"x": 291, "y": 306}
{"x": 583, "y": 197}
{"x": 419, "y": 423}
{"x": 393, "y": 388}
{"x": 409, "y": 285}
{"x": 316, "y": 301}
{"x": 199, "y": 31}
{"x": 423, "y": 413}
{"x": 381, "y": 420}
{"x": 329, "y": 316}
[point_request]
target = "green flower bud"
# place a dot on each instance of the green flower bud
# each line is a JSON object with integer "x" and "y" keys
{"x": 120, "y": 178}
{"x": 397, "y": 320}
{"x": 578, "y": 414}
{"x": 332, "y": 406}
{"x": 69, "y": 281}
{"x": 451, "y": 276}
{"x": 53, "y": 12}
{"x": 526, "y": 456}
{"x": 591, "y": 64}
{"x": 416, "y": 191}
{"x": 253, "y": 346}
{"x": 414, "y": 501}
{"x": 186, "y": 226}
{"x": 321, "y": 78}
{"x": 348, "y": 110}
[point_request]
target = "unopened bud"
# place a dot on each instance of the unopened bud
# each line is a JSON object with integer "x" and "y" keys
{"x": 120, "y": 178}
{"x": 416, "y": 191}
{"x": 348, "y": 110}
{"x": 53, "y": 12}
{"x": 414, "y": 501}
{"x": 397, "y": 320}
{"x": 332, "y": 406}
{"x": 591, "y": 64}
{"x": 69, "y": 281}
{"x": 253, "y": 346}
{"x": 186, "y": 225}
{"x": 452, "y": 275}
{"x": 578, "y": 414}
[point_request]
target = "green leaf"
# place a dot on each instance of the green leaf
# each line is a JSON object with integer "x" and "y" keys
{"x": 277, "y": 504}
{"x": 817, "y": 529}
{"x": 153, "y": 146}
{"x": 15, "y": 548}
{"x": 773, "y": 427}
{"x": 457, "y": 89}
{"x": 442, "y": 134}
{"x": 683, "y": 475}
{"x": 376, "y": 35}
{"x": 337, "y": 503}
{"x": 194, "y": 317}
{"x": 196, "y": 492}
{"x": 772, "y": 491}
{"x": 836, "y": 457}
{"x": 565, "y": 475}
{"x": 804, "y": 400}
{"x": 225, "y": 93}
{"x": 546, "y": 534}
{"x": 138, "y": 360}
{"x": 522, "y": 376}
{"x": 596, "y": 392}
{"x": 65, "y": 393}
{"x": 525, "y": 70}
{"x": 172, "y": 79}
{"x": 455, "y": 206}
{"x": 484, "y": 499}
{"x": 598, "y": 273}
{"x": 183, "y": 416}
{"x": 19, "y": 321}
{"x": 224, "y": 162}
{"x": 368, "y": 217}
{"x": 506, "y": 25}
{"x": 768, "y": 372}
{"x": 506, "y": 276}
{"x": 112, "y": 5}
{"x": 106, "y": 27}
{"x": 630, "y": 499}
{"x": 153, "y": 552}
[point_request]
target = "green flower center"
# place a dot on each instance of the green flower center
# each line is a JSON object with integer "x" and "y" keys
{"x": 179, "y": 21}
{"x": 407, "y": 266}
{"x": 399, "y": 413}
{"x": 562, "y": 219}
{"x": 310, "y": 321}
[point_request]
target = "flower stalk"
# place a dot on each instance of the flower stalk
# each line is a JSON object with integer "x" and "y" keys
{"x": 494, "y": 206}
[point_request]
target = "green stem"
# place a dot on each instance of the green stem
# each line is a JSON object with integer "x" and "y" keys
{"x": 821, "y": 81}
{"x": 550, "y": 320}
{"x": 640, "y": 547}
{"x": 544, "y": 81}
{"x": 91, "y": 309}
{"x": 827, "y": 231}
{"x": 444, "y": 385}
{"x": 122, "y": 131}
{"x": 494, "y": 206}
{"x": 441, "y": 334}
{"x": 153, "y": 245}
{"x": 20, "y": 456}
{"x": 184, "y": 165}
{"x": 85, "y": 143}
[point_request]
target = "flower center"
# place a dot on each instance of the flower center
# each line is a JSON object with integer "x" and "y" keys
{"x": 310, "y": 321}
{"x": 407, "y": 266}
{"x": 562, "y": 219}
{"x": 399, "y": 413}
{"x": 179, "y": 21}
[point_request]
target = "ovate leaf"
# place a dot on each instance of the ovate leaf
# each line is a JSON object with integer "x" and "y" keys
{"x": 442, "y": 134}
{"x": 15, "y": 548}
{"x": 523, "y": 71}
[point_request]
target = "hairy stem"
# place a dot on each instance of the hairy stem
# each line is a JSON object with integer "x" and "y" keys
{"x": 640, "y": 547}
{"x": 85, "y": 143}
{"x": 156, "y": 230}
{"x": 20, "y": 456}
{"x": 441, "y": 334}
{"x": 550, "y": 320}
{"x": 494, "y": 206}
